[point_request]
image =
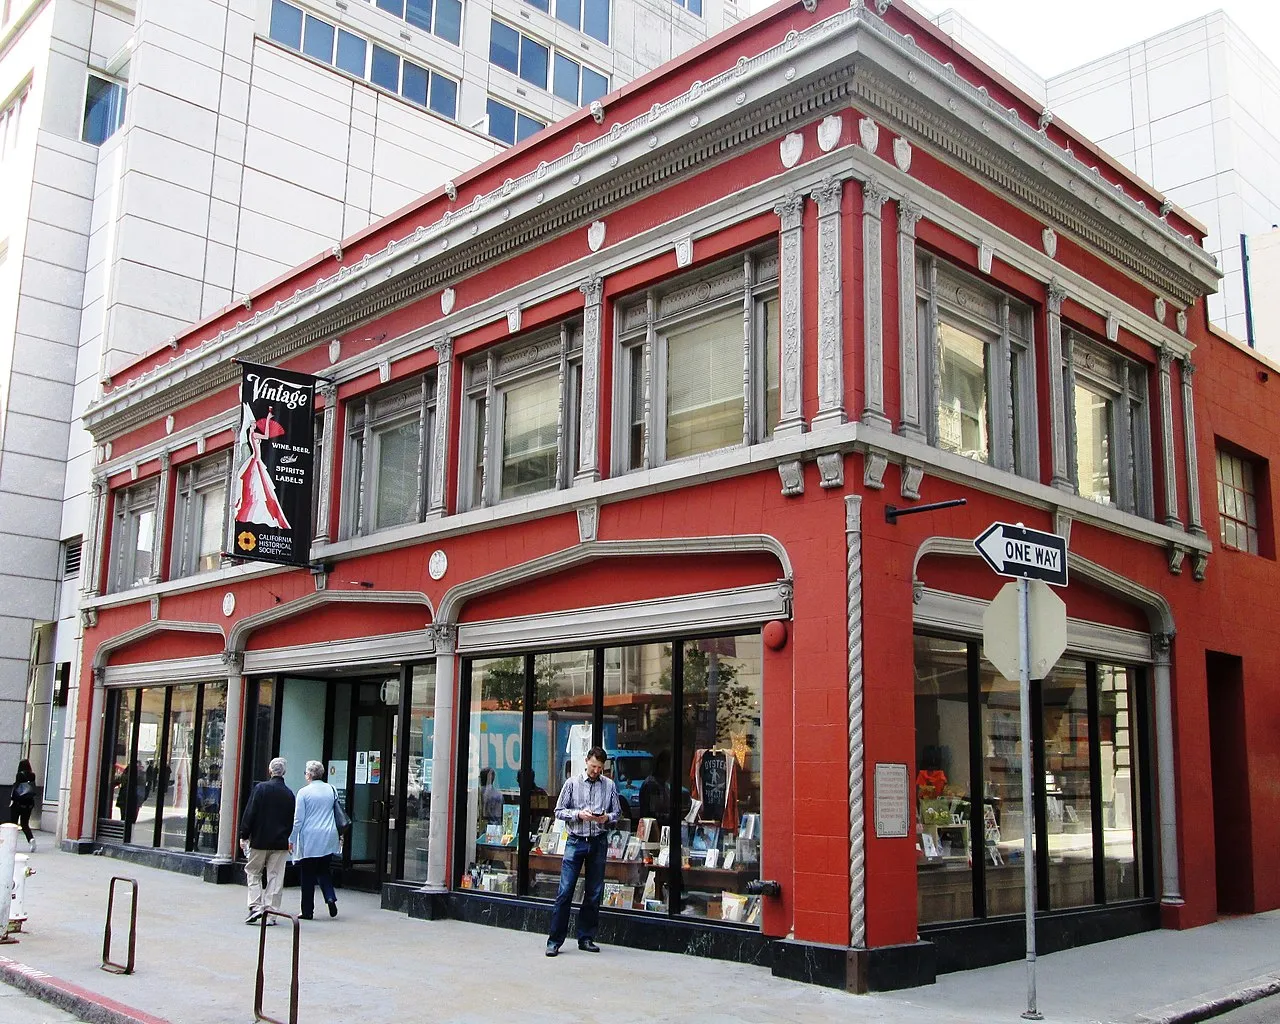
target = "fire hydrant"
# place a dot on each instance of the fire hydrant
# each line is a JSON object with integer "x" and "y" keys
{"x": 22, "y": 870}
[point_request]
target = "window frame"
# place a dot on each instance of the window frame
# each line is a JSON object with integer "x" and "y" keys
{"x": 195, "y": 482}
{"x": 486, "y": 380}
{"x": 129, "y": 504}
{"x": 1255, "y": 496}
{"x": 739, "y": 285}
{"x": 950, "y": 295}
{"x": 548, "y": 82}
{"x": 365, "y": 424}
{"x": 517, "y": 115}
{"x": 403, "y": 15}
{"x": 1124, "y": 383}
{"x": 119, "y": 91}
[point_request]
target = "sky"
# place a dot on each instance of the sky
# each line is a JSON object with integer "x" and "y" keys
{"x": 1053, "y": 35}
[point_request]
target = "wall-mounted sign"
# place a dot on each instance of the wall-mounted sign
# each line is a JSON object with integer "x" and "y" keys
{"x": 893, "y": 802}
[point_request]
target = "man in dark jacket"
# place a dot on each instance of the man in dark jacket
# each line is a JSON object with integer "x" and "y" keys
{"x": 264, "y": 837}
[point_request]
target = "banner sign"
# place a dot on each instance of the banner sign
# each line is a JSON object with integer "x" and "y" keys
{"x": 275, "y": 452}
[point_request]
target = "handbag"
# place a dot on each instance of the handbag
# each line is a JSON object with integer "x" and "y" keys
{"x": 24, "y": 793}
{"x": 340, "y": 817}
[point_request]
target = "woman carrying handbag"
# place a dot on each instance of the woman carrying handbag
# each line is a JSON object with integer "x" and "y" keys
{"x": 22, "y": 800}
{"x": 315, "y": 838}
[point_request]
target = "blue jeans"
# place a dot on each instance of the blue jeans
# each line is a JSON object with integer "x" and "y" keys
{"x": 577, "y": 851}
{"x": 310, "y": 871}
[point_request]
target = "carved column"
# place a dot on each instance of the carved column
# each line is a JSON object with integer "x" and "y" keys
{"x": 874, "y": 196}
{"x": 444, "y": 411}
{"x": 790, "y": 211}
{"x": 328, "y": 439}
{"x": 857, "y": 781}
{"x": 908, "y": 342}
{"x": 828, "y": 196}
{"x": 93, "y": 754}
{"x": 1166, "y": 441}
{"x": 420, "y": 498}
{"x": 588, "y": 467}
{"x": 1170, "y": 893}
{"x": 487, "y": 474}
{"x": 1057, "y": 390}
{"x": 1195, "y": 522}
{"x": 230, "y": 757}
{"x": 442, "y": 769}
{"x": 162, "y": 518}
{"x": 91, "y": 554}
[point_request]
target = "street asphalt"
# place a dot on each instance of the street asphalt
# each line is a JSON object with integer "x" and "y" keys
{"x": 196, "y": 964}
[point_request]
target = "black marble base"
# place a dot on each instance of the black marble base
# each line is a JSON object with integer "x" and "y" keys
{"x": 165, "y": 860}
{"x": 221, "y": 872}
{"x": 816, "y": 964}
{"x": 78, "y": 846}
{"x": 395, "y": 896}
{"x": 910, "y": 965}
{"x": 962, "y": 947}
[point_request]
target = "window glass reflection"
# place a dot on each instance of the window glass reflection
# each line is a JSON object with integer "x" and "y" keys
{"x": 1005, "y": 824}
{"x": 1117, "y": 730}
{"x": 963, "y": 425}
{"x": 1068, "y": 814}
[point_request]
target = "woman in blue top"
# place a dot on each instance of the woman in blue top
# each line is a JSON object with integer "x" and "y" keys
{"x": 315, "y": 839}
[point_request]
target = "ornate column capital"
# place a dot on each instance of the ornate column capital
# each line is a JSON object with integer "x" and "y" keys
{"x": 1056, "y": 294}
{"x": 99, "y": 675}
{"x": 444, "y": 348}
{"x": 328, "y": 390}
{"x": 234, "y": 660}
{"x": 1161, "y": 644}
{"x": 593, "y": 289}
{"x": 828, "y": 195}
{"x": 790, "y": 210}
{"x": 1188, "y": 369}
{"x": 874, "y": 195}
{"x": 1166, "y": 359}
{"x": 909, "y": 215}
{"x": 445, "y": 636}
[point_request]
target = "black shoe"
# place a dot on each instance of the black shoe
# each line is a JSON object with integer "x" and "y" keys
{"x": 553, "y": 949}
{"x": 588, "y": 946}
{"x": 333, "y": 908}
{"x": 305, "y": 917}
{"x": 253, "y": 918}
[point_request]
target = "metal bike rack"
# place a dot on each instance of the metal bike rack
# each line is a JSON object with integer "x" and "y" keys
{"x": 107, "y": 963}
{"x": 293, "y": 982}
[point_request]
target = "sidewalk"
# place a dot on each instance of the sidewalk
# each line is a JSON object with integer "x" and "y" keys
{"x": 196, "y": 961}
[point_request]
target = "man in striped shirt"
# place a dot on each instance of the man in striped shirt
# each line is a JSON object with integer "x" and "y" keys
{"x": 589, "y": 806}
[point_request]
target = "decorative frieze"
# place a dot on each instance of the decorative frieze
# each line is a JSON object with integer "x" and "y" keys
{"x": 828, "y": 196}
{"x": 874, "y": 196}
{"x": 790, "y": 211}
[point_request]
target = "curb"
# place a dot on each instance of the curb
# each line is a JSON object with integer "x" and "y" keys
{"x": 88, "y": 1006}
{"x": 1212, "y": 1004}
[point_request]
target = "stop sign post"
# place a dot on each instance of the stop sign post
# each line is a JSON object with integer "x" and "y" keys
{"x": 1024, "y": 632}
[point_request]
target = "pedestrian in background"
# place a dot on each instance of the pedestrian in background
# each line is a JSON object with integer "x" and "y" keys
{"x": 315, "y": 839}
{"x": 264, "y": 835}
{"x": 22, "y": 799}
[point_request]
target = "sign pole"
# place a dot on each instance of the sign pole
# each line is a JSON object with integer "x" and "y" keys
{"x": 1028, "y": 814}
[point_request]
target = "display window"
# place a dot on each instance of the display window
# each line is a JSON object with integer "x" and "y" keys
{"x": 680, "y": 722}
{"x": 1088, "y": 785}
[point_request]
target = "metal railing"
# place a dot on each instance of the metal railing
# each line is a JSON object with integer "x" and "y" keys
{"x": 259, "y": 984}
{"x": 107, "y": 963}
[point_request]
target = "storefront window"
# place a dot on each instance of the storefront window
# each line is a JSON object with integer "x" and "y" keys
{"x": 213, "y": 732}
{"x": 174, "y": 775}
{"x": 530, "y": 721}
{"x": 124, "y": 774}
{"x": 417, "y": 809}
{"x": 944, "y": 846}
{"x": 1086, "y": 785}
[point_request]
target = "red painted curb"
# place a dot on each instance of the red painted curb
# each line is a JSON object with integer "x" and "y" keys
{"x": 90, "y": 1005}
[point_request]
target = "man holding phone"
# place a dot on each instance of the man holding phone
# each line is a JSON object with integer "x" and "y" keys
{"x": 589, "y": 806}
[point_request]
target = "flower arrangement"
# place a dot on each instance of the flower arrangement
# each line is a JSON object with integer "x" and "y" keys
{"x": 930, "y": 784}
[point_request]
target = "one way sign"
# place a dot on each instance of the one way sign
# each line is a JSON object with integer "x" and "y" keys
{"x": 1024, "y": 554}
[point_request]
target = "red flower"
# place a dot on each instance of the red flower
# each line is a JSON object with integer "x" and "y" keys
{"x": 930, "y": 784}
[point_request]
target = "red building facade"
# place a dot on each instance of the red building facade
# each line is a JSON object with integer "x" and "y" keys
{"x": 607, "y": 435}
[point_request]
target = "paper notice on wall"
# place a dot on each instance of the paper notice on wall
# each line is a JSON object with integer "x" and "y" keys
{"x": 375, "y": 767}
{"x": 362, "y": 768}
{"x": 338, "y": 774}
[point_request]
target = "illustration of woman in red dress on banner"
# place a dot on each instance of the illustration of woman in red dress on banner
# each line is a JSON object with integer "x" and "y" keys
{"x": 256, "y": 500}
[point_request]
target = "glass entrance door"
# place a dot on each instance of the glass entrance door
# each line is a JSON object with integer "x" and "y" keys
{"x": 368, "y": 852}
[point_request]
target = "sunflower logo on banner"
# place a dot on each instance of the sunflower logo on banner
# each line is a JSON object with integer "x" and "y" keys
{"x": 275, "y": 452}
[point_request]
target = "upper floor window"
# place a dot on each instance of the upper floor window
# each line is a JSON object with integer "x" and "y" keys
{"x": 11, "y": 121}
{"x": 1109, "y": 426}
{"x": 103, "y": 109}
{"x": 576, "y": 82}
{"x": 133, "y": 536}
{"x": 441, "y": 18}
{"x": 388, "y": 463}
{"x": 544, "y": 67}
{"x": 1238, "y": 487}
{"x": 589, "y": 16}
{"x": 975, "y": 346}
{"x": 692, "y": 6}
{"x": 520, "y": 423}
{"x": 200, "y": 517}
{"x": 506, "y": 124}
{"x": 692, "y": 376}
{"x": 356, "y": 56}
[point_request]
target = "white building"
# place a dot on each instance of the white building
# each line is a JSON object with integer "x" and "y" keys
{"x": 1195, "y": 111}
{"x": 160, "y": 160}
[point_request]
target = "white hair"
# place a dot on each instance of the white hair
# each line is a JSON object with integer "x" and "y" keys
{"x": 315, "y": 770}
{"x": 277, "y": 767}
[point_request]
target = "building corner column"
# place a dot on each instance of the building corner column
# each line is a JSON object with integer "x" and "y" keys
{"x": 93, "y": 756}
{"x": 831, "y": 384}
{"x": 1167, "y": 458}
{"x": 790, "y": 211}
{"x": 874, "y": 196}
{"x": 1195, "y": 515}
{"x": 231, "y": 740}
{"x": 857, "y": 771}
{"x": 445, "y": 635}
{"x": 1170, "y": 891}
{"x": 162, "y": 518}
{"x": 328, "y": 432}
{"x": 909, "y": 424}
{"x": 444, "y": 412}
{"x": 1061, "y": 478}
{"x": 588, "y": 467}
